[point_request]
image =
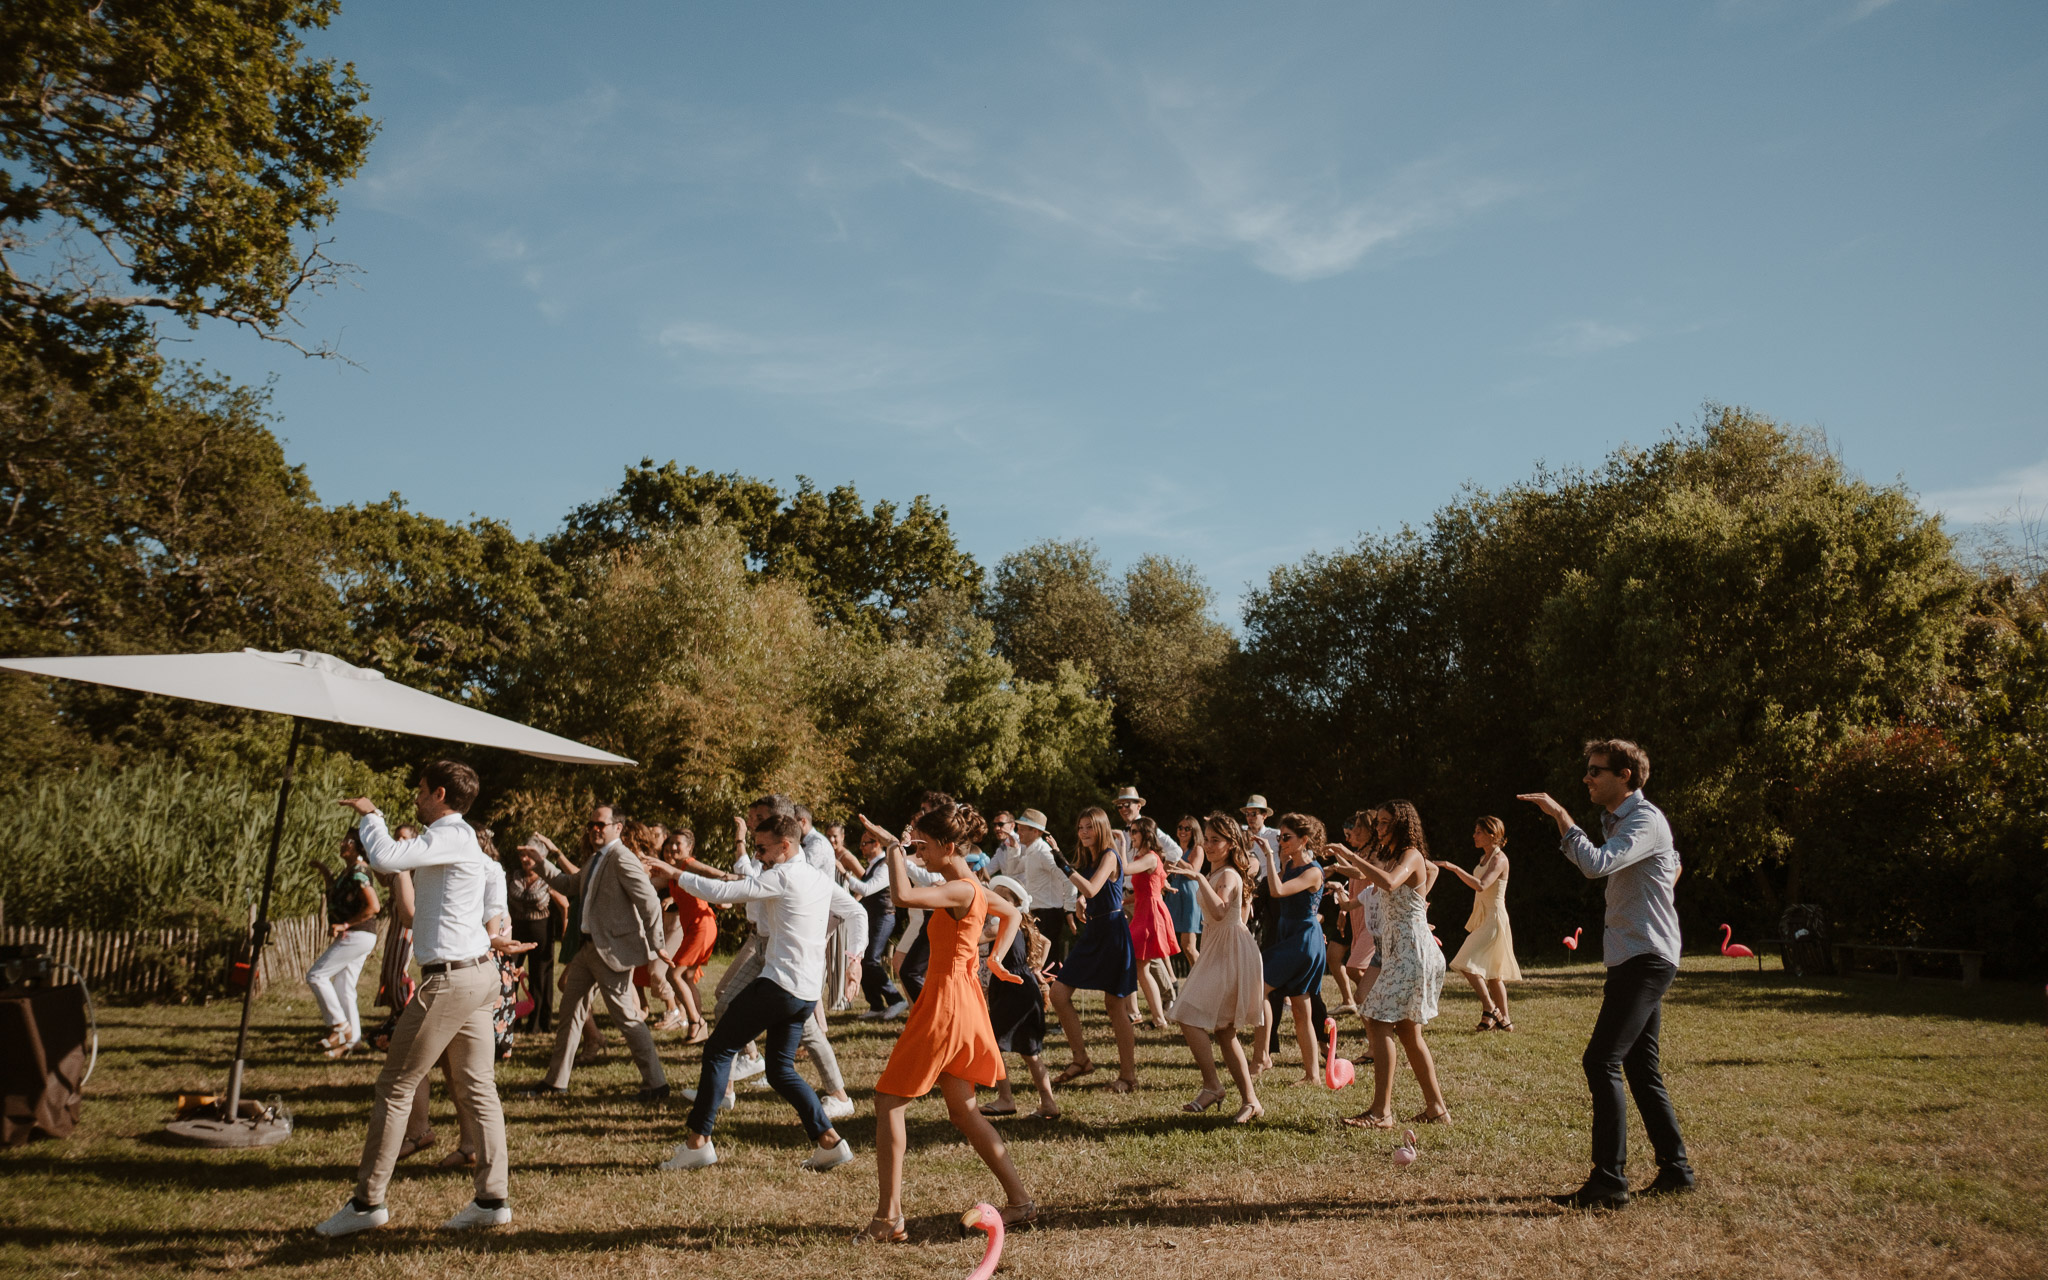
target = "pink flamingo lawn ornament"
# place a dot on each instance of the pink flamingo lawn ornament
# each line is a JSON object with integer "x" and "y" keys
{"x": 984, "y": 1217}
{"x": 1738, "y": 951}
{"x": 1337, "y": 1072}
{"x": 1404, "y": 1155}
{"x": 1572, "y": 943}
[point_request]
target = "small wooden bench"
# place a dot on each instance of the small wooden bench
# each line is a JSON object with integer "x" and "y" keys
{"x": 1902, "y": 957}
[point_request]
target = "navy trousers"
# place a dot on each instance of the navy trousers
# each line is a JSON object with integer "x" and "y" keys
{"x": 761, "y": 1008}
{"x": 1625, "y": 1043}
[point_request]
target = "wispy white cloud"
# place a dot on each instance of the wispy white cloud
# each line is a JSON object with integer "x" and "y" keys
{"x": 2016, "y": 491}
{"x": 812, "y": 364}
{"x": 1586, "y": 337}
{"x": 1165, "y": 168}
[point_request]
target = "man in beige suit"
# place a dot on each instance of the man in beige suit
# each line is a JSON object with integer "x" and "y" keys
{"x": 621, "y": 929}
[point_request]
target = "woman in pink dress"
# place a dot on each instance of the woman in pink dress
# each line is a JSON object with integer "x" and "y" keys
{"x": 1152, "y": 936}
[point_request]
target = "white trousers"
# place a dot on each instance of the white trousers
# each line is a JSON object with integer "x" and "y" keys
{"x": 333, "y": 979}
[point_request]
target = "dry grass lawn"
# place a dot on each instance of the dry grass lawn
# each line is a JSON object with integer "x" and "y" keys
{"x": 1846, "y": 1128}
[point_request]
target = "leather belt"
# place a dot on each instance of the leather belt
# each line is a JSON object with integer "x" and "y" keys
{"x": 445, "y": 966}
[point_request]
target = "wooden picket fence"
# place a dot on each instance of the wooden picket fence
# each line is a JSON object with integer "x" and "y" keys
{"x": 146, "y": 962}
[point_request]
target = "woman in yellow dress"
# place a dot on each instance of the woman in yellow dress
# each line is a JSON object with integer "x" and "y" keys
{"x": 1488, "y": 957}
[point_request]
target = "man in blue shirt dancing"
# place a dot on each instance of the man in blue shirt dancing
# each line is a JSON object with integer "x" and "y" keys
{"x": 1640, "y": 948}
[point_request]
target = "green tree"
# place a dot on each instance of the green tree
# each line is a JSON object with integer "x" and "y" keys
{"x": 1763, "y": 610}
{"x": 1052, "y": 603}
{"x": 455, "y": 609}
{"x": 174, "y": 157}
{"x": 859, "y": 566}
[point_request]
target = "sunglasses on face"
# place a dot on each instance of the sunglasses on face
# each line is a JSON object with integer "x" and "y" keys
{"x": 1595, "y": 770}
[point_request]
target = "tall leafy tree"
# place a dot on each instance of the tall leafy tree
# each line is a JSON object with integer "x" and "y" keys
{"x": 860, "y": 566}
{"x": 165, "y": 157}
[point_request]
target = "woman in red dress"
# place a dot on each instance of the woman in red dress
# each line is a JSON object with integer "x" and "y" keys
{"x": 947, "y": 1040}
{"x": 1152, "y": 936}
{"x": 699, "y": 927}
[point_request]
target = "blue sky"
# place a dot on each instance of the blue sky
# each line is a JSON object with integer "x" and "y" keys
{"x": 1230, "y": 283}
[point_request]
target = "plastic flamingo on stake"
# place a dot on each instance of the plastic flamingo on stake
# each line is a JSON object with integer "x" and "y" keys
{"x": 1572, "y": 943}
{"x": 1404, "y": 1155}
{"x": 1737, "y": 950}
{"x": 1337, "y": 1072}
{"x": 984, "y": 1217}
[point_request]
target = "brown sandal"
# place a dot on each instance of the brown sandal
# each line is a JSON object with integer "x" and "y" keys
{"x": 1123, "y": 1084}
{"x": 1074, "y": 1072}
{"x": 892, "y": 1233}
{"x": 1367, "y": 1120}
{"x": 1019, "y": 1215}
{"x": 1424, "y": 1117}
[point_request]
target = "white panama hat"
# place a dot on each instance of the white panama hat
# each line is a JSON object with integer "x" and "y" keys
{"x": 1016, "y": 888}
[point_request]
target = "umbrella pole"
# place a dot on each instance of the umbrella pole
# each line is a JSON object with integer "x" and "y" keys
{"x": 258, "y": 935}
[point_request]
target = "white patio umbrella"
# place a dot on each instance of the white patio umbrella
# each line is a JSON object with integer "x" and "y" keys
{"x": 306, "y": 686}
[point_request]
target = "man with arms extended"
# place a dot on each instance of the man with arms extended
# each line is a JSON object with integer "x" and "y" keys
{"x": 621, "y": 927}
{"x": 799, "y": 905}
{"x": 451, "y": 1013}
{"x": 1640, "y": 947}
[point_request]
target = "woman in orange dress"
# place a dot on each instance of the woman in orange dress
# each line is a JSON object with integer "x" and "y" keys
{"x": 697, "y": 925}
{"x": 948, "y": 1040}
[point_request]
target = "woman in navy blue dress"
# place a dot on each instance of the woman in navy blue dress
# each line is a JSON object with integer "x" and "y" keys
{"x": 1102, "y": 958}
{"x": 1296, "y": 959}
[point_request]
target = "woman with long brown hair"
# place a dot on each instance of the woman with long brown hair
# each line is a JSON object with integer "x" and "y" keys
{"x": 1296, "y": 957}
{"x": 1102, "y": 957}
{"x": 1226, "y": 989}
{"x": 1411, "y": 968}
{"x": 1488, "y": 957}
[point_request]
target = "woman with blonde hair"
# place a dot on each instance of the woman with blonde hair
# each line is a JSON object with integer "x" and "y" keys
{"x": 1226, "y": 989}
{"x": 1488, "y": 957}
{"x": 1102, "y": 957}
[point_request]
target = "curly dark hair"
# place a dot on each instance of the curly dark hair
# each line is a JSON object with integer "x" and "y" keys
{"x": 1406, "y": 833}
{"x": 1229, "y": 835}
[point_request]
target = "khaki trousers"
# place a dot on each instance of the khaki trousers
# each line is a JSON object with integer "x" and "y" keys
{"x": 451, "y": 1015}
{"x": 586, "y": 978}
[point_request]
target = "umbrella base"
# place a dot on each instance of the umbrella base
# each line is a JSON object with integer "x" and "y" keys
{"x": 223, "y": 1134}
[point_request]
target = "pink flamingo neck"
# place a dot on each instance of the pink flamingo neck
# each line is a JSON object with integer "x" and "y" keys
{"x": 993, "y": 1224}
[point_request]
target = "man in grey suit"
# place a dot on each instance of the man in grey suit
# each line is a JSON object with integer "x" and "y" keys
{"x": 621, "y": 929}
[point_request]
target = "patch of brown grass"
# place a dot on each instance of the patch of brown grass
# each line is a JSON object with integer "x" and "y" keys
{"x": 1853, "y": 1128}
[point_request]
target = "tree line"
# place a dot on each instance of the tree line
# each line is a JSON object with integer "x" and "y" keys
{"x": 1842, "y": 708}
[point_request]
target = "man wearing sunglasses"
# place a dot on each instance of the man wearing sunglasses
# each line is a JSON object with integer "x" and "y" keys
{"x": 1640, "y": 948}
{"x": 621, "y": 928}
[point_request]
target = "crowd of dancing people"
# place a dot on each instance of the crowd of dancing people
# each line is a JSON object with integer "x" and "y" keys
{"x": 979, "y": 934}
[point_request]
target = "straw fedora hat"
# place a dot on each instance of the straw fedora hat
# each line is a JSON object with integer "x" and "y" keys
{"x": 1032, "y": 818}
{"x": 1259, "y": 803}
{"x": 1129, "y": 793}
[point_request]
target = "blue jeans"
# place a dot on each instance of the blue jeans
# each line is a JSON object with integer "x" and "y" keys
{"x": 760, "y": 1008}
{"x": 1625, "y": 1041}
{"x": 874, "y": 966}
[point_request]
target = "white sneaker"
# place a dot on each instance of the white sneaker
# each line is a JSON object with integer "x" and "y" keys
{"x": 874, "y": 1015}
{"x": 475, "y": 1215}
{"x": 689, "y": 1157}
{"x": 836, "y": 1108}
{"x": 690, "y": 1095}
{"x": 823, "y": 1158}
{"x": 745, "y": 1065}
{"x": 897, "y": 1010}
{"x": 348, "y": 1220}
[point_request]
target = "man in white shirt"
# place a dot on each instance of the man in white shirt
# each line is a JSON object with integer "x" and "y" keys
{"x": 1031, "y": 862}
{"x": 799, "y": 904}
{"x": 1256, "y": 811}
{"x": 451, "y": 1013}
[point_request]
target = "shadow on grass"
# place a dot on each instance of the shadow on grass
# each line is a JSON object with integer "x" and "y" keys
{"x": 189, "y": 1249}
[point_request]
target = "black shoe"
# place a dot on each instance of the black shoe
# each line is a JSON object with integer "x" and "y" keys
{"x": 1669, "y": 1182}
{"x": 659, "y": 1093}
{"x": 1592, "y": 1197}
{"x": 543, "y": 1090}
